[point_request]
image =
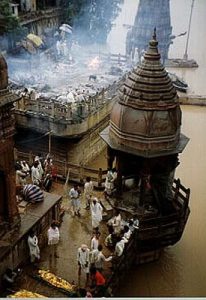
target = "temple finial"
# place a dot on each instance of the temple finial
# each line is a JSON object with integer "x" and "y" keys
{"x": 154, "y": 34}
{"x": 152, "y": 52}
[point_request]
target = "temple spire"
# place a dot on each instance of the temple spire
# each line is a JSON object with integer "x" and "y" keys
{"x": 154, "y": 34}
{"x": 152, "y": 52}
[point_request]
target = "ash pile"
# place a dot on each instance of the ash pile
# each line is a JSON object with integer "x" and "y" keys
{"x": 65, "y": 73}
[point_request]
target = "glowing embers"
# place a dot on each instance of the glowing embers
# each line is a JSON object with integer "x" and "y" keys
{"x": 94, "y": 63}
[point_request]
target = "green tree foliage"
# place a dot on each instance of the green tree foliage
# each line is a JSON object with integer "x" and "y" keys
{"x": 12, "y": 26}
{"x": 92, "y": 19}
{"x": 11, "y": 22}
{"x": 74, "y": 8}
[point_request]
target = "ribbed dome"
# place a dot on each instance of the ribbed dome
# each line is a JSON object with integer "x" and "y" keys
{"x": 147, "y": 115}
{"x": 3, "y": 73}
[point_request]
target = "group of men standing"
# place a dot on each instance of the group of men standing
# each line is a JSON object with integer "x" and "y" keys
{"x": 53, "y": 239}
{"x": 90, "y": 259}
{"x": 92, "y": 203}
{"x": 31, "y": 181}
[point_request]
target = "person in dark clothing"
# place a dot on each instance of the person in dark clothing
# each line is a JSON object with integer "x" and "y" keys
{"x": 8, "y": 279}
{"x": 47, "y": 183}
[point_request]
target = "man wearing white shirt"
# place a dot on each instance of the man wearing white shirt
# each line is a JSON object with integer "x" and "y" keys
{"x": 95, "y": 241}
{"x": 116, "y": 222}
{"x": 53, "y": 238}
{"x": 119, "y": 248}
{"x": 127, "y": 232}
{"x": 88, "y": 190}
{"x": 83, "y": 260}
{"x": 33, "y": 247}
{"x": 74, "y": 194}
{"x": 35, "y": 175}
{"x": 96, "y": 212}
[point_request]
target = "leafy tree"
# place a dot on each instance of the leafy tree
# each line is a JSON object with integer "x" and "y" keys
{"x": 92, "y": 19}
{"x": 11, "y": 21}
{"x": 12, "y": 25}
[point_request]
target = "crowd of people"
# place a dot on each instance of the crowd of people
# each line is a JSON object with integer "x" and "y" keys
{"x": 91, "y": 258}
{"x": 32, "y": 180}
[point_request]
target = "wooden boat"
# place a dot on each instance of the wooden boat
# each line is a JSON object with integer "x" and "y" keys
{"x": 178, "y": 83}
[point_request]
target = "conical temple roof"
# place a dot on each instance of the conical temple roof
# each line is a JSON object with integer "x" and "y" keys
{"x": 146, "y": 117}
{"x": 6, "y": 96}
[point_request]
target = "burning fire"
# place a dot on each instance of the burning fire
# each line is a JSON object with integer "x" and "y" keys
{"x": 94, "y": 63}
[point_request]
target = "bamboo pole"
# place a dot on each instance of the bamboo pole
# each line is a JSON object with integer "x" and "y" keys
{"x": 188, "y": 34}
{"x": 66, "y": 182}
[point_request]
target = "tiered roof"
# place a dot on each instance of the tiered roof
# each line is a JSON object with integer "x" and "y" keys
{"x": 146, "y": 117}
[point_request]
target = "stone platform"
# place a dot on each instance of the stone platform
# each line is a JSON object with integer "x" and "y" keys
{"x": 13, "y": 245}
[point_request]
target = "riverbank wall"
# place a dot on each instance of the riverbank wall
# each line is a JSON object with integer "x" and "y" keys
{"x": 192, "y": 100}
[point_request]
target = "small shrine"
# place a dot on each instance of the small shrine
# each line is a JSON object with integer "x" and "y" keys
{"x": 144, "y": 141}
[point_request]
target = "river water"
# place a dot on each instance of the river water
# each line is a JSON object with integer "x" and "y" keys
{"x": 180, "y": 13}
{"x": 181, "y": 270}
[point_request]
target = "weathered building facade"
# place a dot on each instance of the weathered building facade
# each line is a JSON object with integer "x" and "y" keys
{"x": 41, "y": 21}
{"x": 9, "y": 215}
{"x": 74, "y": 128}
{"x": 15, "y": 226}
{"x": 42, "y": 18}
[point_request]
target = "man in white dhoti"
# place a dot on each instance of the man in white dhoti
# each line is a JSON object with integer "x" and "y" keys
{"x": 119, "y": 247}
{"x": 40, "y": 168}
{"x": 96, "y": 212}
{"x": 110, "y": 182}
{"x": 83, "y": 261}
{"x": 35, "y": 175}
{"x": 88, "y": 190}
{"x": 53, "y": 239}
{"x": 33, "y": 247}
{"x": 95, "y": 241}
{"x": 116, "y": 222}
{"x": 74, "y": 194}
{"x": 58, "y": 48}
{"x": 20, "y": 177}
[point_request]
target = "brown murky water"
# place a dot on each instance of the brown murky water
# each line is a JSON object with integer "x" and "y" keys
{"x": 181, "y": 270}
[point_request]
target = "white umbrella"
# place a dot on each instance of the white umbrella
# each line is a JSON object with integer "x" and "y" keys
{"x": 67, "y": 25}
{"x": 66, "y": 28}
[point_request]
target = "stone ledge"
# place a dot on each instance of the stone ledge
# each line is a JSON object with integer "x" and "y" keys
{"x": 193, "y": 100}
